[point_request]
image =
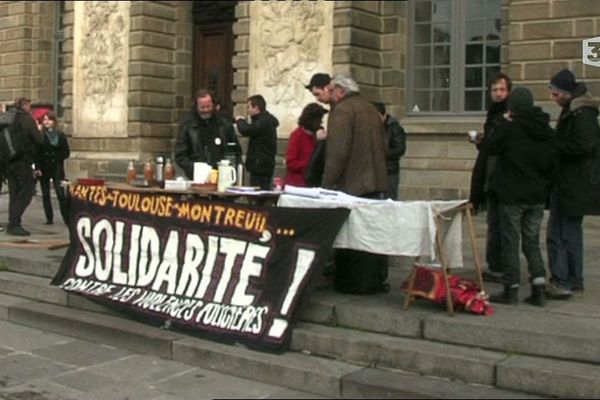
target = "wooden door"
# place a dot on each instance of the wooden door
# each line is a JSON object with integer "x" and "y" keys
{"x": 212, "y": 61}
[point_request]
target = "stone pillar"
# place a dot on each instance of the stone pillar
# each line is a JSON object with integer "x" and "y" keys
{"x": 131, "y": 82}
{"x": 26, "y": 46}
{"x": 289, "y": 42}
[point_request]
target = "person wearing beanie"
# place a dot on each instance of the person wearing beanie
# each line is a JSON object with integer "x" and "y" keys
{"x": 500, "y": 86}
{"x": 575, "y": 192}
{"x": 525, "y": 145}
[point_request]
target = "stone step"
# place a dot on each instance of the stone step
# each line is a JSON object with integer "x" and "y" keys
{"x": 39, "y": 289}
{"x": 31, "y": 287}
{"x": 35, "y": 264}
{"x": 294, "y": 370}
{"x": 370, "y": 383}
{"x": 550, "y": 377}
{"x": 7, "y": 301}
{"x": 545, "y": 334}
{"x": 414, "y": 355}
{"x": 113, "y": 330}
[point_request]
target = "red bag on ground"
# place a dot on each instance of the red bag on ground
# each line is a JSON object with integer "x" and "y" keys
{"x": 465, "y": 293}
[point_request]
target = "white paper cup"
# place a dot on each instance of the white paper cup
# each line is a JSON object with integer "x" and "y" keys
{"x": 472, "y": 136}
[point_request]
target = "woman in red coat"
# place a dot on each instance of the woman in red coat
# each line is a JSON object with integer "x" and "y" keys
{"x": 302, "y": 144}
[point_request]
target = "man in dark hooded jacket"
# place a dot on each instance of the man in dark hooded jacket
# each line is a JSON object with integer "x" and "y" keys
{"x": 577, "y": 189}
{"x": 262, "y": 146}
{"x": 526, "y": 148}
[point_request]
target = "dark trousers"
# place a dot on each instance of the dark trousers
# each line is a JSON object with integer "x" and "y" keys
{"x": 393, "y": 182}
{"x": 21, "y": 186}
{"x": 56, "y": 177}
{"x": 265, "y": 182}
{"x": 565, "y": 246}
{"x": 521, "y": 221}
{"x": 493, "y": 247}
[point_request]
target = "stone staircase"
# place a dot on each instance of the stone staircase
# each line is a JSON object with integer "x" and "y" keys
{"x": 350, "y": 346}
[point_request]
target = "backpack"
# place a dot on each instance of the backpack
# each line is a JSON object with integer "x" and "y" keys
{"x": 9, "y": 142}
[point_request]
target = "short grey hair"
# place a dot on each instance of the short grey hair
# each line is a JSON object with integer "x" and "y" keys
{"x": 345, "y": 82}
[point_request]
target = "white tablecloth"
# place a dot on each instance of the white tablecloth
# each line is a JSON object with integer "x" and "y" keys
{"x": 399, "y": 228}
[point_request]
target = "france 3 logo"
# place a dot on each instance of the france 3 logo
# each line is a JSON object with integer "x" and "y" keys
{"x": 591, "y": 51}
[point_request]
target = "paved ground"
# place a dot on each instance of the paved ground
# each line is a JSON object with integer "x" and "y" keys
{"x": 36, "y": 365}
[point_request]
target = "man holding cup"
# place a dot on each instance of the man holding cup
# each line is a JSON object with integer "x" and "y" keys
{"x": 500, "y": 85}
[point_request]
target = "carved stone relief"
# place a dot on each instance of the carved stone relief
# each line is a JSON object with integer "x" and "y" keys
{"x": 100, "y": 68}
{"x": 289, "y": 42}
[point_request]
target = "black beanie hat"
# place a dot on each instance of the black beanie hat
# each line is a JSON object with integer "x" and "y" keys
{"x": 520, "y": 100}
{"x": 563, "y": 81}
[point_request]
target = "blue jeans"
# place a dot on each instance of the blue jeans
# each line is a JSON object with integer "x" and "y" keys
{"x": 565, "y": 246}
{"x": 493, "y": 246}
{"x": 521, "y": 221}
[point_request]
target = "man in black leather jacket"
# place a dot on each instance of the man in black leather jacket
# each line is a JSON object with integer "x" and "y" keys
{"x": 205, "y": 137}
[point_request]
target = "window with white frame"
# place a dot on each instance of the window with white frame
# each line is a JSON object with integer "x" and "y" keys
{"x": 454, "y": 50}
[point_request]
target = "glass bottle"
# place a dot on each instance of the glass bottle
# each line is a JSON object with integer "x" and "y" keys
{"x": 169, "y": 170}
{"x": 131, "y": 175}
{"x": 149, "y": 171}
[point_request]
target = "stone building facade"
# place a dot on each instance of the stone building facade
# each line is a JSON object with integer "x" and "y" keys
{"x": 121, "y": 75}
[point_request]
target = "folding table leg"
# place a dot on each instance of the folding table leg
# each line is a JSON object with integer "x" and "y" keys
{"x": 411, "y": 284}
{"x": 438, "y": 240}
{"x": 469, "y": 215}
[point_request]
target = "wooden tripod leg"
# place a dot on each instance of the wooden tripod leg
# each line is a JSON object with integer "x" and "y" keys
{"x": 438, "y": 240}
{"x": 469, "y": 215}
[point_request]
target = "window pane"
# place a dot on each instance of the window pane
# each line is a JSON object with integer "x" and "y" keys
{"x": 474, "y": 31}
{"x": 422, "y": 79}
{"x": 473, "y": 100}
{"x": 423, "y": 33}
{"x": 442, "y": 10}
{"x": 441, "y": 78}
{"x": 423, "y": 11}
{"x": 492, "y": 29}
{"x": 491, "y": 71}
{"x": 475, "y": 9}
{"x": 441, "y": 33}
{"x": 474, "y": 77}
{"x": 492, "y": 54}
{"x": 474, "y": 54}
{"x": 421, "y": 100}
{"x": 441, "y": 55}
{"x": 440, "y": 101}
{"x": 422, "y": 55}
{"x": 492, "y": 8}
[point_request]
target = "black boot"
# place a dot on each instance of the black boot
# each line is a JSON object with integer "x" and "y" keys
{"x": 538, "y": 296}
{"x": 509, "y": 296}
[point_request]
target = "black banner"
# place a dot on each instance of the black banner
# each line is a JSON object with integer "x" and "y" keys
{"x": 232, "y": 271}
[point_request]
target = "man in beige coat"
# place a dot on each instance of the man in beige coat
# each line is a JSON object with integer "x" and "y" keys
{"x": 355, "y": 155}
{"x": 355, "y": 164}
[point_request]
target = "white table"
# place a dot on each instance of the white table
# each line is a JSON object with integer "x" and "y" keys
{"x": 396, "y": 228}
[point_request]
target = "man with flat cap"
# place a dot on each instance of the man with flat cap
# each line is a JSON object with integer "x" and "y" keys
{"x": 576, "y": 192}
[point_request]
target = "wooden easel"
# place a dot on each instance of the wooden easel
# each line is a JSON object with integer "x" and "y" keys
{"x": 467, "y": 210}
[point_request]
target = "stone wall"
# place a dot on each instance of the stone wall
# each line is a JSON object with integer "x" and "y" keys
{"x": 158, "y": 79}
{"x": 26, "y": 45}
{"x": 544, "y": 36}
